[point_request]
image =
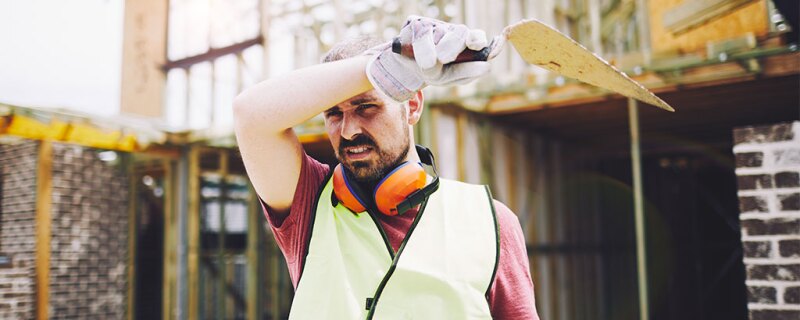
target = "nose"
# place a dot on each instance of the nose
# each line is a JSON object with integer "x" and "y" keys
{"x": 350, "y": 127}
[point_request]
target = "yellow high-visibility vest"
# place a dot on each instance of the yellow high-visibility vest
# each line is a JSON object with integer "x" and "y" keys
{"x": 443, "y": 269}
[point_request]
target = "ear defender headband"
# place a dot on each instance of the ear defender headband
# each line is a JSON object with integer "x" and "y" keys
{"x": 400, "y": 190}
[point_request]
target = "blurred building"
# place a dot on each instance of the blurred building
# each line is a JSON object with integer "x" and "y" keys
{"x": 720, "y": 191}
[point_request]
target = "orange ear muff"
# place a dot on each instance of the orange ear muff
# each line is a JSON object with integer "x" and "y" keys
{"x": 345, "y": 194}
{"x": 398, "y": 185}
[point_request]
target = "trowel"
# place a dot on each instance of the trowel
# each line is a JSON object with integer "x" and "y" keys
{"x": 544, "y": 46}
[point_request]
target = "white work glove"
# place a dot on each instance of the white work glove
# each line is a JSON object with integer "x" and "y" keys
{"x": 435, "y": 44}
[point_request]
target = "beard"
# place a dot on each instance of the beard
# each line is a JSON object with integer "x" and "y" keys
{"x": 372, "y": 171}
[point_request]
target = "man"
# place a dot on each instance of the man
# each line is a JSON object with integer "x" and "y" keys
{"x": 454, "y": 254}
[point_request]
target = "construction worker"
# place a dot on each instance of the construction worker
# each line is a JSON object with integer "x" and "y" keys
{"x": 377, "y": 236}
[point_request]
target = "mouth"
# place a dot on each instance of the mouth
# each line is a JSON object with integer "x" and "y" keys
{"x": 357, "y": 152}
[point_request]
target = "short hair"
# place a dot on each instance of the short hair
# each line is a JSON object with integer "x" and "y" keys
{"x": 351, "y": 47}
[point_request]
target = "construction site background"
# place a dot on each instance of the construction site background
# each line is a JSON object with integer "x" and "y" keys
{"x": 147, "y": 212}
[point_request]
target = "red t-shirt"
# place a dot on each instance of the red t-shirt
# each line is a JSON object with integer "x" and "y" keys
{"x": 511, "y": 294}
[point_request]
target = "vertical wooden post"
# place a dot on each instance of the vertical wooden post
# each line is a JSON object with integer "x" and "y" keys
{"x": 132, "y": 236}
{"x": 254, "y": 249}
{"x": 223, "y": 193}
{"x": 275, "y": 288}
{"x": 44, "y": 201}
{"x": 169, "y": 285}
{"x": 638, "y": 206}
{"x": 193, "y": 233}
{"x": 144, "y": 51}
{"x": 510, "y": 169}
{"x": 461, "y": 128}
{"x": 435, "y": 114}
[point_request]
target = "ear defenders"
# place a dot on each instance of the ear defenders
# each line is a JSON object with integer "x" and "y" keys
{"x": 400, "y": 190}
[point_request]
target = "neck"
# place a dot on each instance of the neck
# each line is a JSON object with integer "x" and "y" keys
{"x": 412, "y": 154}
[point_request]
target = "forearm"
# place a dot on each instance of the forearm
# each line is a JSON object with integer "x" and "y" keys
{"x": 280, "y": 103}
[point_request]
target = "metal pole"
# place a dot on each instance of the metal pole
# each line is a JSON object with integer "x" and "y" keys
{"x": 638, "y": 209}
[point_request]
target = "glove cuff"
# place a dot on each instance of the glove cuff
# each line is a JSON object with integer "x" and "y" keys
{"x": 392, "y": 76}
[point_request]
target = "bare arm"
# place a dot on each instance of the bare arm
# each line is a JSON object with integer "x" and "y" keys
{"x": 265, "y": 113}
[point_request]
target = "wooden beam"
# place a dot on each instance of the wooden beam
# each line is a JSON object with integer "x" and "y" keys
{"x": 254, "y": 249}
{"x": 222, "y": 280}
{"x": 212, "y": 54}
{"x": 752, "y": 17}
{"x": 435, "y": 114}
{"x": 132, "y": 237}
{"x": 461, "y": 128}
{"x": 169, "y": 285}
{"x": 774, "y": 64}
{"x": 690, "y": 14}
{"x": 44, "y": 201}
{"x": 193, "y": 233}
{"x": 144, "y": 50}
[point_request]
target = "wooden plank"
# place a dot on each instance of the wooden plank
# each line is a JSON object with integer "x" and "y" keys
{"x": 461, "y": 127}
{"x": 510, "y": 169}
{"x": 222, "y": 296}
{"x": 132, "y": 237}
{"x": 254, "y": 240}
{"x": 169, "y": 285}
{"x": 144, "y": 51}
{"x": 692, "y": 14}
{"x": 750, "y": 18}
{"x": 782, "y": 65}
{"x": 44, "y": 201}
{"x": 435, "y": 114}
{"x": 699, "y": 76}
{"x": 193, "y": 233}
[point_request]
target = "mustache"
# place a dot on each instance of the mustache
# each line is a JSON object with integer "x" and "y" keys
{"x": 359, "y": 140}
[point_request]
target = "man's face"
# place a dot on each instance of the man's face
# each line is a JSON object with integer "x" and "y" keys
{"x": 369, "y": 134}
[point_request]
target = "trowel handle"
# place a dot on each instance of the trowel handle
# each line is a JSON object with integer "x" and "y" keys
{"x": 465, "y": 56}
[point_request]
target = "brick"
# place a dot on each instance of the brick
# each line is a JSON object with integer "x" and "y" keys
{"x": 791, "y": 295}
{"x": 774, "y": 314}
{"x": 788, "y": 272}
{"x": 17, "y": 208}
{"x": 753, "y": 204}
{"x": 756, "y": 249}
{"x": 787, "y": 157}
{"x": 775, "y": 226}
{"x": 764, "y": 295}
{"x": 787, "y": 179}
{"x": 757, "y": 181}
{"x": 770, "y": 133}
{"x": 789, "y": 248}
{"x": 94, "y": 241}
{"x": 790, "y": 202}
{"x": 749, "y": 159}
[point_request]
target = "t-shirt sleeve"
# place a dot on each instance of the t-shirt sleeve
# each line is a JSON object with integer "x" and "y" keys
{"x": 291, "y": 229}
{"x": 511, "y": 294}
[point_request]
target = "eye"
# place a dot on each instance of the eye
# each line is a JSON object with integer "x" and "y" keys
{"x": 366, "y": 107}
{"x": 333, "y": 113}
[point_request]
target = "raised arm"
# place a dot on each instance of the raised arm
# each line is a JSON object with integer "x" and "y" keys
{"x": 265, "y": 113}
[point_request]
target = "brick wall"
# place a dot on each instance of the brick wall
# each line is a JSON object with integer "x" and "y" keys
{"x": 768, "y": 171}
{"x": 89, "y": 248}
{"x": 17, "y": 228}
{"x": 89, "y": 244}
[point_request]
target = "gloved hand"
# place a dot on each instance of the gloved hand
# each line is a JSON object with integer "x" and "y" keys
{"x": 435, "y": 44}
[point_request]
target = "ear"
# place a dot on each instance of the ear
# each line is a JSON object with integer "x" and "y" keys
{"x": 415, "y": 106}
